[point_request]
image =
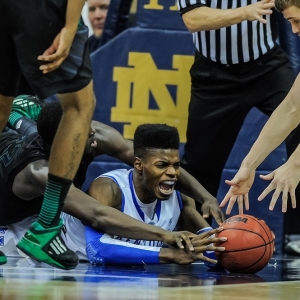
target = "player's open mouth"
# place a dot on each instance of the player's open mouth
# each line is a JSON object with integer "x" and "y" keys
{"x": 166, "y": 187}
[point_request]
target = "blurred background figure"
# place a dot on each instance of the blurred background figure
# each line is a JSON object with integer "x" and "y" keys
{"x": 97, "y": 12}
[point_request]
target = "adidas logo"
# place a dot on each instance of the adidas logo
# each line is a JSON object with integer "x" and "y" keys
{"x": 57, "y": 246}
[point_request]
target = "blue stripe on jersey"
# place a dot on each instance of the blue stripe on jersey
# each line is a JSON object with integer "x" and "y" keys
{"x": 140, "y": 212}
{"x": 142, "y": 216}
{"x": 179, "y": 200}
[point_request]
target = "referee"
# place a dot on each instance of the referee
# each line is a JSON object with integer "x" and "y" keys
{"x": 238, "y": 65}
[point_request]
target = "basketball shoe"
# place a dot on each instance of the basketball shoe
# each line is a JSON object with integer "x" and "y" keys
{"x": 46, "y": 245}
{"x": 28, "y": 106}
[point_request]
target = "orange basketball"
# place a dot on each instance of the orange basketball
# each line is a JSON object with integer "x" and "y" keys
{"x": 249, "y": 246}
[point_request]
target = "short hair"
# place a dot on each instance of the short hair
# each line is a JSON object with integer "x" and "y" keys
{"x": 154, "y": 136}
{"x": 281, "y": 5}
{"x": 48, "y": 121}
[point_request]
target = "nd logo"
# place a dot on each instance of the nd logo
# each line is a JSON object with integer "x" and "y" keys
{"x": 154, "y": 4}
{"x": 144, "y": 93}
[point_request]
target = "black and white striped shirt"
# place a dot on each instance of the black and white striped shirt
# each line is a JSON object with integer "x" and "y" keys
{"x": 238, "y": 43}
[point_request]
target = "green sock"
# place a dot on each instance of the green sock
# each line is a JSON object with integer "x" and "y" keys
{"x": 56, "y": 191}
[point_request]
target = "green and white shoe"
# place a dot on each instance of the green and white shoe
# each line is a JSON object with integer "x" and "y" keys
{"x": 3, "y": 259}
{"x": 27, "y": 105}
{"x": 46, "y": 245}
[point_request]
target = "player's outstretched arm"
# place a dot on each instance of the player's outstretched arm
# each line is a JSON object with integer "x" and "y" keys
{"x": 284, "y": 180}
{"x": 102, "y": 248}
{"x": 188, "y": 185}
{"x": 59, "y": 50}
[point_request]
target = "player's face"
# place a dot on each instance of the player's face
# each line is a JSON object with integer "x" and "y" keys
{"x": 292, "y": 14}
{"x": 160, "y": 171}
{"x": 97, "y": 15}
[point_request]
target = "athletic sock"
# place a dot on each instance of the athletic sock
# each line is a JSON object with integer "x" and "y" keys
{"x": 56, "y": 191}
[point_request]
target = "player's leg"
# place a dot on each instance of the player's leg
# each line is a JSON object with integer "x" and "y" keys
{"x": 9, "y": 76}
{"x": 43, "y": 241}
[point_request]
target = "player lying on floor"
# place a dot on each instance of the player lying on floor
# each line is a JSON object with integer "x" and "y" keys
{"x": 147, "y": 193}
{"x": 23, "y": 178}
{"x": 104, "y": 139}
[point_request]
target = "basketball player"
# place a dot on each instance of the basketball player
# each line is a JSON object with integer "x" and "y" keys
{"x": 44, "y": 41}
{"x": 24, "y": 178}
{"x": 103, "y": 140}
{"x": 83, "y": 205}
{"x": 147, "y": 193}
{"x": 283, "y": 120}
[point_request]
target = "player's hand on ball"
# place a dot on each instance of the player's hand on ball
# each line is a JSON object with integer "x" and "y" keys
{"x": 205, "y": 241}
{"x": 180, "y": 239}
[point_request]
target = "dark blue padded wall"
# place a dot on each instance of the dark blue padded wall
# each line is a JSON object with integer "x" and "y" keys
{"x": 142, "y": 76}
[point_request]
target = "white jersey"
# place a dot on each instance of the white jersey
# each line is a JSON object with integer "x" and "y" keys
{"x": 165, "y": 215}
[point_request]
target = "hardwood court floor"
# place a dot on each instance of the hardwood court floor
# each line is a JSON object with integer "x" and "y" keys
{"x": 20, "y": 280}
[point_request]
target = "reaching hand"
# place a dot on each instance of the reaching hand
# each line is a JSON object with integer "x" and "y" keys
{"x": 203, "y": 242}
{"x": 58, "y": 51}
{"x": 211, "y": 207}
{"x": 257, "y": 10}
{"x": 284, "y": 180}
{"x": 240, "y": 186}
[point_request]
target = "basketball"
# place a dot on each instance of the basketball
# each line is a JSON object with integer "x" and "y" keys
{"x": 249, "y": 246}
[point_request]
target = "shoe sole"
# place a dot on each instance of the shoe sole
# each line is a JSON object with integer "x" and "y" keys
{"x": 56, "y": 265}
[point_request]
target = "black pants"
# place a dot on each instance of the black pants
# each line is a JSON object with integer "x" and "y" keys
{"x": 27, "y": 29}
{"x": 221, "y": 98}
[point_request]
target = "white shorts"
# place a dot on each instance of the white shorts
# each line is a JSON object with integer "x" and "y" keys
{"x": 74, "y": 237}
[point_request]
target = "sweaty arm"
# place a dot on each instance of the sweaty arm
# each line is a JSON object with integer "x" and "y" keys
{"x": 201, "y": 18}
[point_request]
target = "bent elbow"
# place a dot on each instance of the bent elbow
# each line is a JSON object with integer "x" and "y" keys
{"x": 191, "y": 23}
